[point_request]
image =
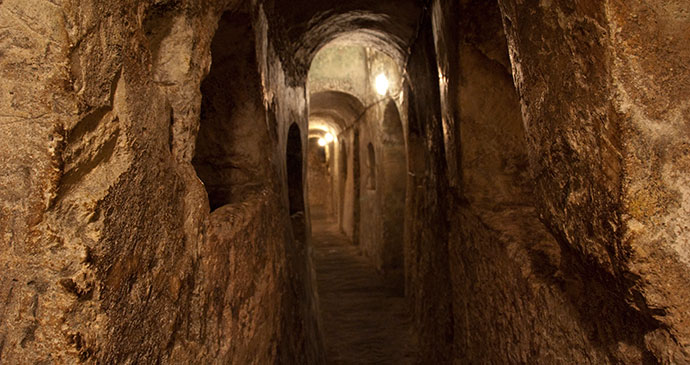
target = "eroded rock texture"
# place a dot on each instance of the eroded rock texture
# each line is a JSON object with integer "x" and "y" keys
{"x": 579, "y": 263}
{"x": 527, "y": 175}
{"x": 109, "y": 251}
{"x": 591, "y": 194}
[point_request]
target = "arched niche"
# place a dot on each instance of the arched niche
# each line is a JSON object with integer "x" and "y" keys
{"x": 371, "y": 167}
{"x": 295, "y": 181}
{"x": 231, "y": 157}
{"x": 343, "y": 159}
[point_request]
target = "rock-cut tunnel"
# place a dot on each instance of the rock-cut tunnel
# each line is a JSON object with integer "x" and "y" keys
{"x": 344, "y": 182}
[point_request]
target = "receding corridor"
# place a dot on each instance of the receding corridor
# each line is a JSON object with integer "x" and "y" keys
{"x": 364, "y": 319}
{"x": 308, "y": 182}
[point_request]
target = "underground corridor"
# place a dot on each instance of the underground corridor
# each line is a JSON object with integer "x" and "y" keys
{"x": 344, "y": 182}
{"x": 357, "y": 204}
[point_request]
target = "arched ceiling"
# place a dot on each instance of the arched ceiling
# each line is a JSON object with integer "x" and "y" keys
{"x": 317, "y": 133}
{"x": 334, "y": 109}
{"x": 302, "y": 27}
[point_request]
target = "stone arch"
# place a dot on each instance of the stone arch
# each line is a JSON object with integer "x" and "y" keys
{"x": 385, "y": 26}
{"x": 343, "y": 108}
{"x": 339, "y": 112}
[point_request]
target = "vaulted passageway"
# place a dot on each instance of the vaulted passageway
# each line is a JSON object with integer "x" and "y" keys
{"x": 228, "y": 181}
{"x": 357, "y": 204}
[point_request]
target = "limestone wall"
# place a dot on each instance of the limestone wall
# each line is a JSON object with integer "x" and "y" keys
{"x": 109, "y": 253}
{"x": 145, "y": 206}
{"x": 550, "y": 234}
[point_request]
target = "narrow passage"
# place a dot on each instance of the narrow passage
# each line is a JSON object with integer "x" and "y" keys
{"x": 364, "y": 320}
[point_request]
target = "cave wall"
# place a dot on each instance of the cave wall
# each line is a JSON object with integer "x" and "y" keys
{"x": 393, "y": 177}
{"x": 651, "y": 89}
{"x": 612, "y": 202}
{"x": 336, "y": 165}
{"x": 230, "y": 152}
{"x": 427, "y": 270}
{"x": 557, "y": 189}
{"x": 509, "y": 276}
{"x": 109, "y": 253}
{"x": 339, "y": 176}
{"x": 286, "y": 102}
{"x": 382, "y": 185}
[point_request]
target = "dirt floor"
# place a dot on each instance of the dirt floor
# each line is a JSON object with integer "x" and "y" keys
{"x": 365, "y": 321}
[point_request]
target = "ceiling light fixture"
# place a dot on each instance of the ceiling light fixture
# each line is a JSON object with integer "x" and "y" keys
{"x": 381, "y": 84}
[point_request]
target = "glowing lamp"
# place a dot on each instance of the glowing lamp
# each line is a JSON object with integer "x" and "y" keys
{"x": 322, "y": 142}
{"x": 328, "y": 137}
{"x": 381, "y": 84}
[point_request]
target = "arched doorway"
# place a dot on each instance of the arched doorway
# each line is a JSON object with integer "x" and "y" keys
{"x": 295, "y": 182}
{"x": 371, "y": 165}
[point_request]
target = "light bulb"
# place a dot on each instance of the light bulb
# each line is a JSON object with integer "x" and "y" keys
{"x": 381, "y": 84}
{"x": 328, "y": 137}
{"x": 322, "y": 142}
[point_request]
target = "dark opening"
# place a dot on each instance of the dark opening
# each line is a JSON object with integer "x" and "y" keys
{"x": 230, "y": 156}
{"x": 371, "y": 164}
{"x": 294, "y": 170}
{"x": 343, "y": 159}
{"x": 295, "y": 182}
{"x": 322, "y": 154}
{"x": 357, "y": 189}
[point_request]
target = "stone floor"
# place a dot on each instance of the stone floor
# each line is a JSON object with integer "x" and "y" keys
{"x": 364, "y": 320}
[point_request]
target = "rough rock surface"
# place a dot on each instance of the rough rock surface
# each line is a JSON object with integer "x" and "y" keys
{"x": 546, "y": 217}
{"x": 607, "y": 197}
{"x": 109, "y": 252}
{"x": 585, "y": 254}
